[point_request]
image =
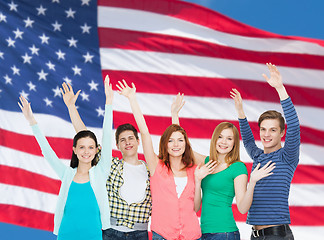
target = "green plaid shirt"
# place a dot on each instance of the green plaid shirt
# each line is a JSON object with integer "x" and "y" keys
{"x": 126, "y": 214}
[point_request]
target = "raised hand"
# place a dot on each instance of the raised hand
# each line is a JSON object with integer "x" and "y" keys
{"x": 176, "y": 106}
{"x": 68, "y": 96}
{"x": 275, "y": 79}
{"x": 259, "y": 173}
{"x": 125, "y": 90}
{"x": 202, "y": 171}
{"x": 26, "y": 110}
{"x": 235, "y": 94}
{"x": 108, "y": 91}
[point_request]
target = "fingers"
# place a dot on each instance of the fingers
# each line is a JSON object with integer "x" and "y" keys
{"x": 107, "y": 80}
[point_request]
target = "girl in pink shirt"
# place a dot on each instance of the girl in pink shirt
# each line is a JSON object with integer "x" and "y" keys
{"x": 175, "y": 199}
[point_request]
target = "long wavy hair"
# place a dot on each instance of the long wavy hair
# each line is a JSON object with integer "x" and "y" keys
{"x": 187, "y": 156}
{"x": 234, "y": 154}
{"x": 84, "y": 134}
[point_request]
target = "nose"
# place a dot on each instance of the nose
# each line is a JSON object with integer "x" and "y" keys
{"x": 267, "y": 133}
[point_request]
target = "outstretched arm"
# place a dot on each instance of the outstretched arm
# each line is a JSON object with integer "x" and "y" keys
{"x": 275, "y": 81}
{"x": 106, "y": 154}
{"x": 235, "y": 94}
{"x": 129, "y": 92}
{"x": 69, "y": 100}
{"x": 244, "y": 196}
{"x": 176, "y": 106}
{"x": 201, "y": 172}
{"x": 47, "y": 151}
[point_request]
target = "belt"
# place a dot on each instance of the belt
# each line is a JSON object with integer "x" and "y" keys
{"x": 280, "y": 230}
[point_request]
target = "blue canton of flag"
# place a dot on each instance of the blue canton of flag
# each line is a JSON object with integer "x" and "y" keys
{"x": 43, "y": 44}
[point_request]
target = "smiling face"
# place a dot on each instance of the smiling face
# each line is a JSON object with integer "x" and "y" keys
{"x": 270, "y": 135}
{"x": 225, "y": 141}
{"x": 85, "y": 150}
{"x": 128, "y": 144}
{"x": 176, "y": 144}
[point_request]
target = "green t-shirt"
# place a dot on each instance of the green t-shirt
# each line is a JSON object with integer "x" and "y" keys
{"x": 218, "y": 193}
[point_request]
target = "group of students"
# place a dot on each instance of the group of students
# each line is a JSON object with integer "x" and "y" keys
{"x": 111, "y": 198}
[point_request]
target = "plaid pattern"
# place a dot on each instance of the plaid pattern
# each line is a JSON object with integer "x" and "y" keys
{"x": 126, "y": 214}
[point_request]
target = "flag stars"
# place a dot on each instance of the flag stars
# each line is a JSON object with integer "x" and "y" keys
{"x": 67, "y": 80}
{"x": 57, "y": 26}
{"x": 13, "y": 6}
{"x": 44, "y": 38}
{"x": 85, "y": 28}
{"x": 48, "y": 102}
{"x": 27, "y": 58}
{"x": 57, "y": 1}
{"x": 70, "y": 13}
{"x": 50, "y": 66}
{"x": 57, "y": 92}
{"x": 100, "y": 112}
{"x": 11, "y": 42}
{"x": 3, "y": 18}
{"x": 18, "y": 34}
{"x": 93, "y": 85}
{"x": 72, "y": 42}
{"x": 42, "y": 75}
{"x": 31, "y": 86}
{"x": 8, "y": 79}
{"x": 84, "y": 96}
{"x": 15, "y": 70}
{"x": 60, "y": 54}
{"x": 34, "y": 50}
{"x": 85, "y": 2}
{"x": 1, "y": 55}
{"x": 76, "y": 70}
{"x": 87, "y": 57}
{"x": 24, "y": 94}
{"x": 29, "y": 22}
{"x": 41, "y": 10}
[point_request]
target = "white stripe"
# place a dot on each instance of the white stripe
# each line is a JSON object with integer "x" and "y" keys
{"x": 299, "y": 232}
{"x": 197, "y": 66}
{"x": 129, "y": 19}
{"x": 28, "y": 198}
{"x": 215, "y": 108}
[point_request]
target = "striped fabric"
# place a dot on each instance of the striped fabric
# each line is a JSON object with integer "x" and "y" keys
{"x": 164, "y": 47}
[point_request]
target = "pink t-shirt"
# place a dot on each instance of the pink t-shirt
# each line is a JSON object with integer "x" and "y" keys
{"x": 173, "y": 217}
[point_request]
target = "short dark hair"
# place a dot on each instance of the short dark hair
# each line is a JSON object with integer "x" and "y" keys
{"x": 272, "y": 114}
{"x": 123, "y": 128}
{"x": 83, "y": 134}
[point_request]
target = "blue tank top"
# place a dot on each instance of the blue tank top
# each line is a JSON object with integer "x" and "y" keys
{"x": 81, "y": 218}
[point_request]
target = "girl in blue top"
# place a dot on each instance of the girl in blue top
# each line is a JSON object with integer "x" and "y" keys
{"x": 82, "y": 208}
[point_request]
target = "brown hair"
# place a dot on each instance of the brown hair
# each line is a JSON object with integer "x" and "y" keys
{"x": 234, "y": 154}
{"x": 272, "y": 114}
{"x": 187, "y": 157}
{"x": 123, "y": 128}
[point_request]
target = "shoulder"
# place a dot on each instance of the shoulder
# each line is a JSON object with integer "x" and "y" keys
{"x": 238, "y": 167}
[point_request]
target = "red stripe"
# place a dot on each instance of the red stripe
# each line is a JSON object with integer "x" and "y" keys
{"x": 198, "y": 15}
{"x": 142, "y": 41}
{"x": 26, "y": 217}
{"x": 214, "y": 87}
{"x": 23, "y": 178}
{"x": 203, "y": 128}
{"x": 300, "y": 216}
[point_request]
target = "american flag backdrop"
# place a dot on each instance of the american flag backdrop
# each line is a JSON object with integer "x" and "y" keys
{"x": 164, "y": 47}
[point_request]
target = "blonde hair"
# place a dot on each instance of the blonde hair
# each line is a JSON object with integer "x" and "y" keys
{"x": 234, "y": 154}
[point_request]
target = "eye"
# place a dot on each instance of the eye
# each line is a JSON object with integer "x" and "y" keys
{"x": 122, "y": 140}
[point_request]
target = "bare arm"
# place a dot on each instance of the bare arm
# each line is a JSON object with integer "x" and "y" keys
{"x": 150, "y": 157}
{"x": 244, "y": 195}
{"x": 69, "y": 99}
{"x": 235, "y": 94}
{"x": 201, "y": 172}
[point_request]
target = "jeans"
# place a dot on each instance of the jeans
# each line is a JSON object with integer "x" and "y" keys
{"x": 156, "y": 236}
{"x": 222, "y": 236}
{"x": 111, "y": 233}
{"x": 289, "y": 236}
